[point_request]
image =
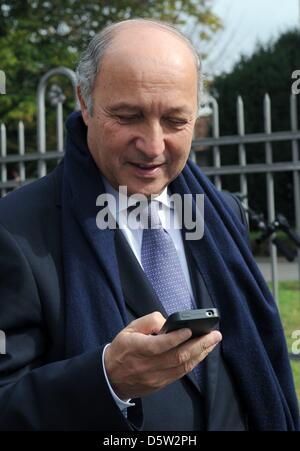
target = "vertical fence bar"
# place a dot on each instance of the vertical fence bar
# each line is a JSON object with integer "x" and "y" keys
{"x": 60, "y": 127}
{"x": 21, "y": 148}
{"x": 242, "y": 148}
{"x": 270, "y": 193}
{"x": 3, "y": 155}
{"x": 296, "y": 178}
{"x": 216, "y": 134}
{"x": 41, "y": 118}
{"x": 41, "y": 125}
{"x": 193, "y": 156}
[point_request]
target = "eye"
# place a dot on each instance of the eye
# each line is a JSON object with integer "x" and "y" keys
{"x": 176, "y": 121}
{"x": 128, "y": 118}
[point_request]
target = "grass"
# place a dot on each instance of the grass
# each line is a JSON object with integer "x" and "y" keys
{"x": 289, "y": 306}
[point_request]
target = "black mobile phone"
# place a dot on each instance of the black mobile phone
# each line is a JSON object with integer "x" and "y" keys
{"x": 200, "y": 321}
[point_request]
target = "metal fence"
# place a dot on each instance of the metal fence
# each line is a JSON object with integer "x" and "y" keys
{"x": 269, "y": 167}
{"x": 216, "y": 142}
{"x": 42, "y": 155}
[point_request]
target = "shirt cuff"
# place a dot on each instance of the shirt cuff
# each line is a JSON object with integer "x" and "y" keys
{"x": 123, "y": 405}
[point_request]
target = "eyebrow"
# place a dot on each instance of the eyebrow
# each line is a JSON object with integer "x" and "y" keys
{"x": 133, "y": 108}
{"x": 180, "y": 109}
{"x": 123, "y": 106}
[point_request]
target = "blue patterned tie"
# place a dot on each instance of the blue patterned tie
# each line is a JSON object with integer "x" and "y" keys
{"x": 161, "y": 264}
{"x": 162, "y": 267}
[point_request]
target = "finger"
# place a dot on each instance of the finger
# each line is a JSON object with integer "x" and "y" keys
{"x": 191, "y": 352}
{"x": 148, "y": 324}
{"x": 175, "y": 373}
{"x": 164, "y": 376}
{"x": 169, "y": 343}
{"x": 199, "y": 345}
{"x": 160, "y": 344}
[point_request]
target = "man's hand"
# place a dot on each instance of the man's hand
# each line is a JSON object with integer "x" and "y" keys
{"x": 138, "y": 363}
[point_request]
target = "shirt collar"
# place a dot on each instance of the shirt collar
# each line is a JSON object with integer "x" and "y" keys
{"x": 163, "y": 197}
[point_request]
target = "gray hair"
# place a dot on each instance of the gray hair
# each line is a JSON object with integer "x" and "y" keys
{"x": 91, "y": 58}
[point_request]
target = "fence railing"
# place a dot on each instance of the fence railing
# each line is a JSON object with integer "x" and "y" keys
{"x": 215, "y": 143}
{"x": 41, "y": 156}
{"x": 269, "y": 167}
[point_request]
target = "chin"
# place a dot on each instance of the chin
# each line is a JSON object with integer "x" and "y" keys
{"x": 151, "y": 188}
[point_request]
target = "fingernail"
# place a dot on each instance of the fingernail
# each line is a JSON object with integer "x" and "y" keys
{"x": 217, "y": 338}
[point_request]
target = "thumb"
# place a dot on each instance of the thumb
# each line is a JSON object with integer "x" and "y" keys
{"x": 148, "y": 324}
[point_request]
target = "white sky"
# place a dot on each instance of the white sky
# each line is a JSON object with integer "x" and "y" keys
{"x": 247, "y": 22}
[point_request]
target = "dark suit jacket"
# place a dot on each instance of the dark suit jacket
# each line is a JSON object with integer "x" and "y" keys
{"x": 39, "y": 388}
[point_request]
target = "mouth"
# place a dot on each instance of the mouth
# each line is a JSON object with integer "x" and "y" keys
{"x": 146, "y": 169}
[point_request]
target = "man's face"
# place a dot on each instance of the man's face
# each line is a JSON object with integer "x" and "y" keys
{"x": 144, "y": 111}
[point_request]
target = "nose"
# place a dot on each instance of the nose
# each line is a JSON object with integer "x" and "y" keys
{"x": 151, "y": 140}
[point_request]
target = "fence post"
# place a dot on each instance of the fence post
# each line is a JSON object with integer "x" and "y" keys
{"x": 2, "y": 82}
{"x": 270, "y": 193}
{"x": 242, "y": 148}
{"x": 60, "y": 127}
{"x": 57, "y": 99}
{"x": 41, "y": 118}
{"x": 216, "y": 134}
{"x": 3, "y": 143}
{"x": 21, "y": 148}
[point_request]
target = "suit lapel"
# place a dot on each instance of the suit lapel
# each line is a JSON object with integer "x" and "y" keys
{"x": 139, "y": 295}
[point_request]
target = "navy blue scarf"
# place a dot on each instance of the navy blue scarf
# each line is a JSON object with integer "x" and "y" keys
{"x": 253, "y": 342}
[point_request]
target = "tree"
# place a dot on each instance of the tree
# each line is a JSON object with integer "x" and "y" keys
{"x": 38, "y": 35}
{"x": 269, "y": 70}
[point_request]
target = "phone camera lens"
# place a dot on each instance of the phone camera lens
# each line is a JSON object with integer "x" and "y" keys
{"x": 209, "y": 313}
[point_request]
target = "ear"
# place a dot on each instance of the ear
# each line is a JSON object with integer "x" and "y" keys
{"x": 83, "y": 107}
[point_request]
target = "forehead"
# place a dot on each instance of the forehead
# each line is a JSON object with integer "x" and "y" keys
{"x": 149, "y": 44}
{"x": 145, "y": 36}
{"x": 147, "y": 62}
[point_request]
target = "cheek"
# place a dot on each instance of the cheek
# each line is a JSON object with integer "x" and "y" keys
{"x": 95, "y": 135}
{"x": 180, "y": 148}
{"x": 179, "y": 154}
{"x": 114, "y": 136}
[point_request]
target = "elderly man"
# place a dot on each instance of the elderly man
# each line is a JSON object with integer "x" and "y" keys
{"x": 82, "y": 306}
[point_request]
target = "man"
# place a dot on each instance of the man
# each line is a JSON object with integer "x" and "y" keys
{"x": 82, "y": 307}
